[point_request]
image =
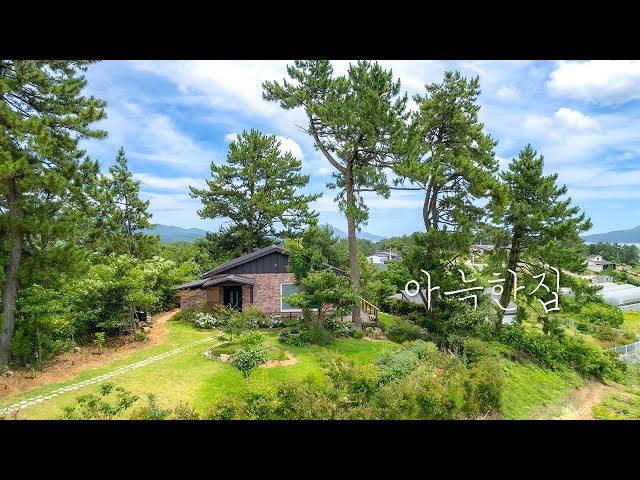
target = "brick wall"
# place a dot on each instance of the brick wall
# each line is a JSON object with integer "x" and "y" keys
{"x": 193, "y": 299}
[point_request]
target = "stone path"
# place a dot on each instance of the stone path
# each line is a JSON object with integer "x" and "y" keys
{"x": 28, "y": 402}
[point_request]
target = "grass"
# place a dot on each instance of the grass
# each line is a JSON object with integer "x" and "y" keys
{"x": 386, "y": 319}
{"x": 191, "y": 377}
{"x": 631, "y": 322}
{"x": 529, "y": 388}
{"x": 624, "y": 404}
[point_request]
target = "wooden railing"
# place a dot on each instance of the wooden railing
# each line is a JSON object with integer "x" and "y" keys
{"x": 369, "y": 308}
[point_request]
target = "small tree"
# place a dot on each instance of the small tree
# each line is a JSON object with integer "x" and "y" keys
{"x": 247, "y": 359}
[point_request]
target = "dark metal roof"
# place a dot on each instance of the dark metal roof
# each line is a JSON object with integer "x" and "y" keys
{"x": 244, "y": 259}
{"x": 196, "y": 284}
{"x": 223, "y": 267}
{"x": 229, "y": 279}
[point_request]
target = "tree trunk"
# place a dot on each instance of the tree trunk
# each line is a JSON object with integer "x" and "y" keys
{"x": 508, "y": 284}
{"x": 354, "y": 263}
{"x": 10, "y": 291}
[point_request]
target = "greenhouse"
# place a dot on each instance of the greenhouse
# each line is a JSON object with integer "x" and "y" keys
{"x": 625, "y": 296}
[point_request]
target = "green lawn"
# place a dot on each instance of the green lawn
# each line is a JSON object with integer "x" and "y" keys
{"x": 529, "y": 388}
{"x": 631, "y": 322}
{"x": 191, "y": 377}
{"x": 386, "y": 319}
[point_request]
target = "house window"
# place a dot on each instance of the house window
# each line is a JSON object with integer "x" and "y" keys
{"x": 287, "y": 289}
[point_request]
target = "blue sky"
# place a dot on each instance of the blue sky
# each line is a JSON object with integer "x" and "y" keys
{"x": 175, "y": 117}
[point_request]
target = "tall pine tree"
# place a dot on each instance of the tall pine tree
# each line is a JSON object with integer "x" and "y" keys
{"x": 125, "y": 214}
{"x": 357, "y": 121}
{"x": 256, "y": 189}
{"x": 539, "y": 226}
{"x": 43, "y": 116}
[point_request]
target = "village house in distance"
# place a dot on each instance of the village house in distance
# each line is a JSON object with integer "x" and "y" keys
{"x": 596, "y": 263}
{"x": 381, "y": 258}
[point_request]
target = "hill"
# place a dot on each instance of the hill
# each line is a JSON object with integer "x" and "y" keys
{"x": 621, "y": 236}
{"x": 170, "y": 233}
{"x": 364, "y": 235}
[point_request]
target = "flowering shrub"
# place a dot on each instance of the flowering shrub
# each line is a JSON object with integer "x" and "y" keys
{"x": 205, "y": 320}
{"x": 342, "y": 328}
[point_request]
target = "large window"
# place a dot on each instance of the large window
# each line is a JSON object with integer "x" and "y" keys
{"x": 287, "y": 289}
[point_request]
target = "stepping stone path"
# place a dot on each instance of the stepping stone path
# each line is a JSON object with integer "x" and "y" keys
{"x": 105, "y": 376}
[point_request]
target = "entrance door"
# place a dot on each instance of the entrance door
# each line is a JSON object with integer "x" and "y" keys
{"x": 233, "y": 297}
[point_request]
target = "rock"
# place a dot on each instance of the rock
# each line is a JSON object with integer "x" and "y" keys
{"x": 146, "y": 329}
{"x": 8, "y": 373}
{"x": 75, "y": 349}
{"x": 142, "y": 324}
{"x": 226, "y": 358}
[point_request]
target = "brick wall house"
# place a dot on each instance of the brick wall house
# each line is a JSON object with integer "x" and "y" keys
{"x": 260, "y": 278}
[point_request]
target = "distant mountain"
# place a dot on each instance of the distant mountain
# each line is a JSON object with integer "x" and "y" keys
{"x": 365, "y": 235}
{"x": 169, "y": 233}
{"x": 621, "y": 236}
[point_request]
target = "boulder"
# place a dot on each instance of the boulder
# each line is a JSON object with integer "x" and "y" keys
{"x": 226, "y": 357}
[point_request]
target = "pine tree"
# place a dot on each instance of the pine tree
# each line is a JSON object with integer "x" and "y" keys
{"x": 126, "y": 213}
{"x": 453, "y": 161}
{"x": 43, "y": 116}
{"x": 256, "y": 190}
{"x": 357, "y": 121}
{"x": 539, "y": 226}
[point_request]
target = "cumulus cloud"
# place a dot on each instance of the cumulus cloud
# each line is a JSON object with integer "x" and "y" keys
{"x": 574, "y": 119}
{"x": 508, "y": 93}
{"x": 169, "y": 183}
{"x": 606, "y": 82}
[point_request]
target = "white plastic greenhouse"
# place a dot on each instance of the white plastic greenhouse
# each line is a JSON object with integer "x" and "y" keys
{"x": 625, "y": 296}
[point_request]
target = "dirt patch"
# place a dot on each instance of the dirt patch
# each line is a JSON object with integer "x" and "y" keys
{"x": 291, "y": 360}
{"x": 66, "y": 366}
{"x": 579, "y": 405}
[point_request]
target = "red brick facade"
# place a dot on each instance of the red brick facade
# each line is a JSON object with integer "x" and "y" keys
{"x": 266, "y": 293}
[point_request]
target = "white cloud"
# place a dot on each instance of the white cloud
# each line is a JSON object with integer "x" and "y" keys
{"x": 225, "y": 83}
{"x": 563, "y": 122}
{"x": 289, "y": 145}
{"x": 322, "y": 171}
{"x": 169, "y": 183}
{"x": 606, "y": 82}
{"x": 574, "y": 119}
{"x": 230, "y": 137}
{"x": 150, "y": 137}
{"x": 508, "y": 93}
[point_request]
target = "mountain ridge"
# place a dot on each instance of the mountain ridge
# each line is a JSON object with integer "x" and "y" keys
{"x": 171, "y": 233}
{"x": 631, "y": 235}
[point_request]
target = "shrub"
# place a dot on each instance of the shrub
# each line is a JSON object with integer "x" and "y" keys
{"x": 601, "y": 314}
{"x": 254, "y": 317}
{"x": 98, "y": 341}
{"x": 396, "y": 365}
{"x": 205, "y": 320}
{"x": 402, "y": 331}
{"x": 151, "y": 411}
{"x": 99, "y": 407}
{"x": 247, "y": 359}
{"x": 483, "y": 388}
{"x": 184, "y": 316}
{"x": 251, "y": 340}
{"x": 475, "y": 349}
{"x": 562, "y": 352}
{"x": 299, "y": 334}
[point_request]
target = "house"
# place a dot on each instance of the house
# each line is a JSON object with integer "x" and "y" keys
{"x": 381, "y": 258}
{"x": 259, "y": 278}
{"x": 596, "y": 263}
